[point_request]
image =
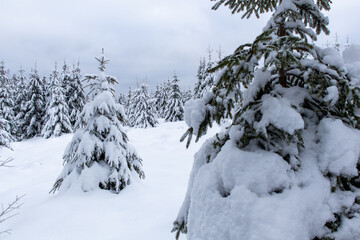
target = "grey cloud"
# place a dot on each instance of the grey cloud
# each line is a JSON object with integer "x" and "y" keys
{"x": 141, "y": 38}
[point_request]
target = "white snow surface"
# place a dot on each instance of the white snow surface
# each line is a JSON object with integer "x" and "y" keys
{"x": 145, "y": 209}
{"x": 195, "y": 111}
{"x": 351, "y": 57}
{"x": 273, "y": 110}
{"x": 340, "y": 148}
{"x": 238, "y": 195}
{"x": 333, "y": 95}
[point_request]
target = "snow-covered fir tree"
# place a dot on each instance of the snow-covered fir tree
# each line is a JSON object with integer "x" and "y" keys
{"x": 5, "y": 137}
{"x": 54, "y": 78}
{"x": 201, "y": 74}
{"x": 205, "y": 78}
{"x": 57, "y": 120}
{"x": 175, "y": 107}
{"x": 6, "y": 102}
{"x": 21, "y": 97}
{"x": 162, "y": 99}
{"x": 123, "y": 102}
{"x": 4, "y": 74}
{"x": 281, "y": 164}
{"x": 99, "y": 155}
{"x": 46, "y": 83}
{"x": 66, "y": 81}
{"x": 186, "y": 95}
{"x": 35, "y": 106}
{"x": 157, "y": 100}
{"x": 122, "y": 99}
{"x": 75, "y": 98}
{"x": 129, "y": 112}
{"x": 337, "y": 44}
{"x": 141, "y": 110}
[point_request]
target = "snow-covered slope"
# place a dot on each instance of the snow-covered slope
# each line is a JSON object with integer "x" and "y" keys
{"x": 144, "y": 210}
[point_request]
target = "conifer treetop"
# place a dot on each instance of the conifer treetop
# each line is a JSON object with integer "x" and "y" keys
{"x": 292, "y": 11}
{"x": 101, "y": 81}
{"x": 21, "y": 71}
{"x": 102, "y": 61}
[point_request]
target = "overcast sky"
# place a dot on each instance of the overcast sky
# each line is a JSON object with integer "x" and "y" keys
{"x": 144, "y": 40}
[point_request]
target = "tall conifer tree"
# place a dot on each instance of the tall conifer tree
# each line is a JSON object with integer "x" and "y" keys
{"x": 164, "y": 98}
{"x": 6, "y": 102}
{"x": 21, "y": 98}
{"x": 142, "y": 109}
{"x": 35, "y": 106}
{"x": 129, "y": 111}
{"x": 175, "y": 108}
{"x": 76, "y": 95}
{"x": 57, "y": 119}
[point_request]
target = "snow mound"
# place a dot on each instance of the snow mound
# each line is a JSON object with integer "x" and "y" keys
{"x": 351, "y": 57}
{"x": 339, "y": 148}
{"x": 194, "y": 113}
{"x": 273, "y": 110}
{"x": 253, "y": 195}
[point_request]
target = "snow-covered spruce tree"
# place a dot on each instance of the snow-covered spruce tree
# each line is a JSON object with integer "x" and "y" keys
{"x": 175, "y": 107}
{"x": 57, "y": 120}
{"x": 6, "y": 103}
{"x": 54, "y": 78}
{"x": 75, "y": 95}
{"x": 4, "y": 76}
{"x": 129, "y": 112}
{"x": 163, "y": 99}
{"x": 282, "y": 170}
{"x": 122, "y": 99}
{"x": 157, "y": 100}
{"x": 99, "y": 155}
{"x": 35, "y": 106}
{"x": 186, "y": 95}
{"x": 209, "y": 76}
{"x": 21, "y": 98}
{"x": 201, "y": 74}
{"x": 5, "y": 136}
{"x": 123, "y": 102}
{"x": 46, "y": 83}
{"x": 66, "y": 80}
{"x": 204, "y": 76}
{"x": 142, "y": 111}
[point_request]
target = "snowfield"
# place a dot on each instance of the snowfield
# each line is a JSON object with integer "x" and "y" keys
{"x": 144, "y": 210}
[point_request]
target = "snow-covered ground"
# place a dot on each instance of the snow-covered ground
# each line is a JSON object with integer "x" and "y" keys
{"x": 144, "y": 210}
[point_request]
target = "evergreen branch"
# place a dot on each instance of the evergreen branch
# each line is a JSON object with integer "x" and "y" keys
{"x": 179, "y": 228}
{"x": 250, "y": 7}
{"x": 188, "y": 134}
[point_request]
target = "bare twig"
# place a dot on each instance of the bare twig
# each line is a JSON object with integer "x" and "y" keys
{"x": 10, "y": 211}
{"x": 5, "y": 162}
